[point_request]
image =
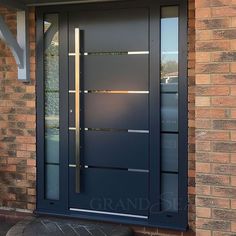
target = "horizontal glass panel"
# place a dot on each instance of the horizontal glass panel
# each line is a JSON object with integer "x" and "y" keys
{"x": 169, "y": 112}
{"x": 52, "y": 182}
{"x": 52, "y": 122}
{"x": 169, "y": 87}
{"x": 169, "y": 192}
{"x": 169, "y": 152}
{"x": 169, "y": 47}
{"x": 51, "y": 104}
{"x": 52, "y": 146}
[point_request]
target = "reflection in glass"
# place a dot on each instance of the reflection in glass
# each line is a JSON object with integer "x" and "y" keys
{"x": 169, "y": 46}
{"x": 51, "y": 105}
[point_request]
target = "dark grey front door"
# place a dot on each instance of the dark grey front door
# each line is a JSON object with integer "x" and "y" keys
{"x": 109, "y": 172}
{"x": 112, "y": 111}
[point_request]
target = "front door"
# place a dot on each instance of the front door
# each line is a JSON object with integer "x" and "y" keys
{"x": 109, "y": 111}
{"x": 112, "y": 111}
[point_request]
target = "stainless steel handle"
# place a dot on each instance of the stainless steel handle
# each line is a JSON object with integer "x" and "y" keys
{"x": 77, "y": 106}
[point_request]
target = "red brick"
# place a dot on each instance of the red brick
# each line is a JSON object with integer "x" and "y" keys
{"x": 212, "y": 135}
{"x": 213, "y": 202}
{"x": 201, "y": 232}
{"x": 208, "y": 46}
{"x": 208, "y": 68}
{"x": 203, "y": 167}
{"x": 203, "y": 13}
{"x": 223, "y": 12}
{"x": 202, "y": 101}
{"x": 212, "y": 90}
{"x": 204, "y": 212}
{"x": 212, "y": 113}
{"x": 224, "y": 101}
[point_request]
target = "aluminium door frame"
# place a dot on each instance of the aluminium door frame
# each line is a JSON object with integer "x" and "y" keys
{"x": 178, "y": 220}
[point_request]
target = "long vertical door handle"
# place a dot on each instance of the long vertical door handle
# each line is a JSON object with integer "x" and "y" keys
{"x": 77, "y": 106}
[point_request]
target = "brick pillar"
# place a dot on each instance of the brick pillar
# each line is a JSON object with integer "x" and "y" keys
{"x": 215, "y": 117}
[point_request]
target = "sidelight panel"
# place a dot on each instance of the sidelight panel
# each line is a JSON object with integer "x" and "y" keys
{"x": 51, "y": 106}
{"x": 169, "y": 108}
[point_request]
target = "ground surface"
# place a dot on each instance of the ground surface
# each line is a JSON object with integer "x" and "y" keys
{"x": 49, "y": 226}
{"x": 4, "y": 227}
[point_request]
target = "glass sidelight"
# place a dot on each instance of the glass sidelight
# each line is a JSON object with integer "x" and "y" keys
{"x": 169, "y": 107}
{"x": 51, "y": 106}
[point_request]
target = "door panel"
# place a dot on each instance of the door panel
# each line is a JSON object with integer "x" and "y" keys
{"x": 112, "y": 30}
{"x": 107, "y": 190}
{"x": 113, "y": 149}
{"x": 121, "y": 72}
{"x": 116, "y": 111}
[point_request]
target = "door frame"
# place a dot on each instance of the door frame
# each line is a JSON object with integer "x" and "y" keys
{"x": 178, "y": 220}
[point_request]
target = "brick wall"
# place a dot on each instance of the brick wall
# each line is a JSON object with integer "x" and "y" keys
{"x": 17, "y": 126}
{"x": 215, "y": 117}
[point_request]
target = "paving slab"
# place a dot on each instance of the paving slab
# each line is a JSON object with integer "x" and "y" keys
{"x": 4, "y": 227}
{"x": 49, "y": 226}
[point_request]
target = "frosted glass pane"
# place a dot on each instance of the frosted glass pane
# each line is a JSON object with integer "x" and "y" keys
{"x": 169, "y": 192}
{"x": 169, "y": 152}
{"x": 52, "y": 182}
{"x": 169, "y": 112}
{"x": 52, "y": 146}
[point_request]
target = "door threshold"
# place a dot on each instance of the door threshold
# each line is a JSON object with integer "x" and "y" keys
{"x": 109, "y": 213}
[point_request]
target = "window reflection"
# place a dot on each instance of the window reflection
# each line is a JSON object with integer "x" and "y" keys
{"x": 169, "y": 45}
